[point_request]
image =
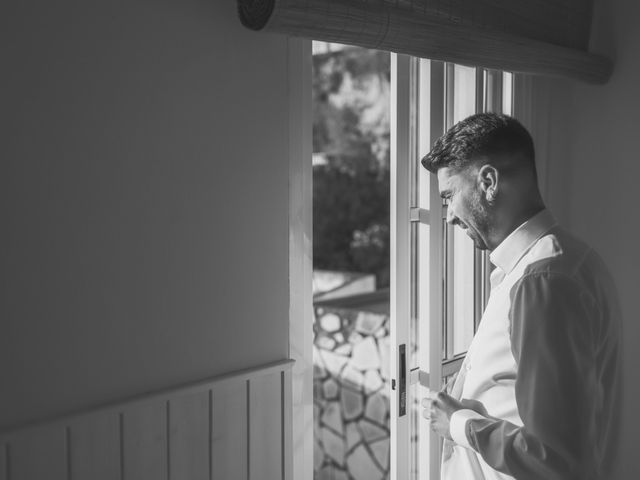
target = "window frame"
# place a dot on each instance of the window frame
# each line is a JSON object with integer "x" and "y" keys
{"x": 437, "y": 358}
{"x": 298, "y": 399}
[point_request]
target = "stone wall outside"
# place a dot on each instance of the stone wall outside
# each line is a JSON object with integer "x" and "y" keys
{"x": 351, "y": 394}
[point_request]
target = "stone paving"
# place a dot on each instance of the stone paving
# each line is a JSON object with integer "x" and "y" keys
{"x": 351, "y": 395}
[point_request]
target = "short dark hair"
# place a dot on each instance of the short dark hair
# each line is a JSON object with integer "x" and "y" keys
{"x": 482, "y": 134}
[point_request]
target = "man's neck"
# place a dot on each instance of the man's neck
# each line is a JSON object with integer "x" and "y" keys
{"x": 511, "y": 223}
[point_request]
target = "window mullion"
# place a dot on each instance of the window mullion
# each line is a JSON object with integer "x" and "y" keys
{"x": 480, "y": 258}
{"x": 493, "y": 91}
{"x": 447, "y": 231}
{"x": 436, "y": 261}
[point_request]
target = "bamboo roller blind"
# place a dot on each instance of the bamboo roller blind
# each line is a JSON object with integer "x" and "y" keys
{"x": 547, "y": 37}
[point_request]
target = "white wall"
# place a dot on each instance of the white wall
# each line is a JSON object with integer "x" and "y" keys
{"x": 603, "y": 191}
{"x": 143, "y": 199}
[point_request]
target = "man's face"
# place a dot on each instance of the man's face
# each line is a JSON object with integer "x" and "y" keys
{"x": 466, "y": 207}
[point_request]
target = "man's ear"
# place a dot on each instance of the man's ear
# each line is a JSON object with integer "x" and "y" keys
{"x": 488, "y": 178}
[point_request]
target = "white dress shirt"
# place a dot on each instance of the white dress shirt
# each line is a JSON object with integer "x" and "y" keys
{"x": 544, "y": 362}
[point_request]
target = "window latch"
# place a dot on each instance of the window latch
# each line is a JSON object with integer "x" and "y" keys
{"x": 402, "y": 381}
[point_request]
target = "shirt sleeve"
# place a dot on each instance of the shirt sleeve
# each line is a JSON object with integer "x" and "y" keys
{"x": 458, "y": 426}
{"x": 552, "y": 343}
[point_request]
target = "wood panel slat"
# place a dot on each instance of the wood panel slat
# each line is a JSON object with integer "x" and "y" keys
{"x": 265, "y": 427}
{"x": 196, "y": 432}
{"x": 145, "y": 442}
{"x": 229, "y": 440}
{"x": 39, "y": 453}
{"x": 287, "y": 422}
{"x": 4, "y": 462}
{"x": 189, "y": 425}
{"x": 95, "y": 448}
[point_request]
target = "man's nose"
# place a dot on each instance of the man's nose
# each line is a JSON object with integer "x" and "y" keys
{"x": 451, "y": 218}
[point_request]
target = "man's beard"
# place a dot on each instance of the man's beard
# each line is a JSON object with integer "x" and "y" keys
{"x": 480, "y": 215}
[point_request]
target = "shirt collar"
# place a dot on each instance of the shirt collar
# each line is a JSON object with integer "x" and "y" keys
{"x": 507, "y": 255}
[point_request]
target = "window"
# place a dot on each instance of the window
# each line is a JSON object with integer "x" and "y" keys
{"x": 439, "y": 280}
{"x": 431, "y": 298}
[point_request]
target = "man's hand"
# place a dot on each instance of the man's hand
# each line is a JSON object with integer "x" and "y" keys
{"x": 438, "y": 411}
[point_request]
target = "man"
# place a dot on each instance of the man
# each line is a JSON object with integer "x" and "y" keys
{"x": 537, "y": 395}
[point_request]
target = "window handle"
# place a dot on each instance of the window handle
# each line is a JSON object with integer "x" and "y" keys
{"x": 420, "y": 215}
{"x": 416, "y": 375}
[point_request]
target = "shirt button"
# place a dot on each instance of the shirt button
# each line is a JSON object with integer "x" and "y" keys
{"x": 468, "y": 367}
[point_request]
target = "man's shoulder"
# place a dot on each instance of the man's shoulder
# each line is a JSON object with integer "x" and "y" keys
{"x": 560, "y": 253}
{"x": 557, "y": 250}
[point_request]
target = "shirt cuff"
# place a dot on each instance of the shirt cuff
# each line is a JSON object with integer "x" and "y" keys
{"x": 458, "y": 426}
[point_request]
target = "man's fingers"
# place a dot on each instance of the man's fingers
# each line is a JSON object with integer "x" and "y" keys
{"x": 426, "y": 402}
{"x": 443, "y": 396}
{"x": 435, "y": 398}
{"x": 431, "y": 396}
{"x": 446, "y": 400}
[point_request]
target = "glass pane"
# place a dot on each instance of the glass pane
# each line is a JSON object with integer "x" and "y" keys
{"x": 448, "y": 381}
{"x": 463, "y": 291}
{"x": 464, "y": 94}
{"x": 447, "y": 289}
{"x": 419, "y": 353}
{"x": 507, "y": 93}
{"x": 420, "y": 435}
{"x": 414, "y": 327}
{"x": 424, "y": 130}
{"x": 460, "y": 250}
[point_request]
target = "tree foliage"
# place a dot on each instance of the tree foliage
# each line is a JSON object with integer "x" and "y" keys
{"x": 351, "y": 184}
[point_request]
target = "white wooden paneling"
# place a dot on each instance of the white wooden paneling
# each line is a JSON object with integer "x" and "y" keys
{"x": 95, "y": 447}
{"x": 189, "y": 427}
{"x": 39, "y": 453}
{"x": 229, "y": 432}
{"x": 287, "y": 423}
{"x": 265, "y": 423}
{"x": 4, "y": 463}
{"x": 199, "y": 431}
{"x": 144, "y": 436}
